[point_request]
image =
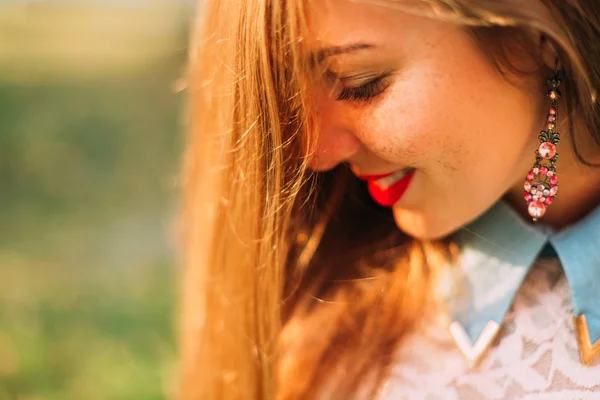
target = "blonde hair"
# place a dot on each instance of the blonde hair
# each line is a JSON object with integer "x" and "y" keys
{"x": 295, "y": 285}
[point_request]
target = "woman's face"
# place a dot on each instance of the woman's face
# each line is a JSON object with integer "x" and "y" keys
{"x": 418, "y": 93}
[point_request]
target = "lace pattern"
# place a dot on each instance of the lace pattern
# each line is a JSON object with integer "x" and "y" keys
{"x": 534, "y": 357}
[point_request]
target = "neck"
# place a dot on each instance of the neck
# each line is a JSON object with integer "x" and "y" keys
{"x": 579, "y": 184}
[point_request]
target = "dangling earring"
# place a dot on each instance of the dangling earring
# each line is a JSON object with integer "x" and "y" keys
{"x": 541, "y": 185}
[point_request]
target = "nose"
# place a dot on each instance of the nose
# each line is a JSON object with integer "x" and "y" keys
{"x": 331, "y": 147}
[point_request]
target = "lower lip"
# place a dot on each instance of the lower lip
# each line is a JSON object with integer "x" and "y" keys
{"x": 389, "y": 196}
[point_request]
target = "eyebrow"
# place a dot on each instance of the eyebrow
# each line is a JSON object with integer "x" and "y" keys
{"x": 322, "y": 54}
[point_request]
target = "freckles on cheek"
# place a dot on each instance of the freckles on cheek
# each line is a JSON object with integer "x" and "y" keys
{"x": 402, "y": 128}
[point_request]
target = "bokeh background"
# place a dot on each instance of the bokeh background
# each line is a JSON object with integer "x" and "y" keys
{"x": 91, "y": 126}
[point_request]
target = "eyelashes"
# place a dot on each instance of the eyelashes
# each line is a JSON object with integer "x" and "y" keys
{"x": 363, "y": 93}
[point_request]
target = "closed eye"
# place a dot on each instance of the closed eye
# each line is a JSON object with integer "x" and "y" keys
{"x": 364, "y": 92}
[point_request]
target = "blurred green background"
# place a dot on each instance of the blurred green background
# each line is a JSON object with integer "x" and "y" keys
{"x": 91, "y": 96}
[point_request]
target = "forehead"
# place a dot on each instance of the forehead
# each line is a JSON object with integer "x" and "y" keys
{"x": 340, "y": 22}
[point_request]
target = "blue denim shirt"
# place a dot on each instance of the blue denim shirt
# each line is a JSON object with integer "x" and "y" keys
{"x": 498, "y": 249}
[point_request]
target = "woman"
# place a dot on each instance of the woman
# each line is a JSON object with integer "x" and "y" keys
{"x": 372, "y": 206}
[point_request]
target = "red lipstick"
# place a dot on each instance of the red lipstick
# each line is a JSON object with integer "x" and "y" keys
{"x": 388, "y": 189}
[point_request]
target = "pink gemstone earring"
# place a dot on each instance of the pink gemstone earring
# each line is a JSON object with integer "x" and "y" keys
{"x": 541, "y": 185}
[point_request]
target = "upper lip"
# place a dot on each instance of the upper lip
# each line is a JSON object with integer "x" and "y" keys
{"x": 373, "y": 177}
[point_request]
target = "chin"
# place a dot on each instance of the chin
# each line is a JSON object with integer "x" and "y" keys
{"x": 419, "y": 225}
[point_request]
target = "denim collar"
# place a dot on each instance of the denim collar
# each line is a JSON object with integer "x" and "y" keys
{"x": 496, "y": 252}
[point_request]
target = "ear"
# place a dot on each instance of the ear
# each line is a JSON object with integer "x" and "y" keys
{"x": 549, "y": 52}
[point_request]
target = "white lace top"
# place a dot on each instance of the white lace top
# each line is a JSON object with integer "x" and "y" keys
{"x": 535, "y": 356}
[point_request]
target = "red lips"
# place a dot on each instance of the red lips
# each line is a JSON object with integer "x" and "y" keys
{"x": 373, "y": 177}
{"x": 389, "y": 196}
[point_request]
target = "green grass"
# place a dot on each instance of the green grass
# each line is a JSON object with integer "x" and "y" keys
{"x": 87, "y": 198}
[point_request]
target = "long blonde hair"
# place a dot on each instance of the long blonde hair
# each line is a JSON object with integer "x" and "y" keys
{"x": 295, "y": 285}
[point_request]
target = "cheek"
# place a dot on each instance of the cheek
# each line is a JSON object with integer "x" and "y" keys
{"x": 470, "y": 138}
{"x": 452, "y": 120}
{"x": 473, "y": 147}
{"x": 415, "y": 123}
